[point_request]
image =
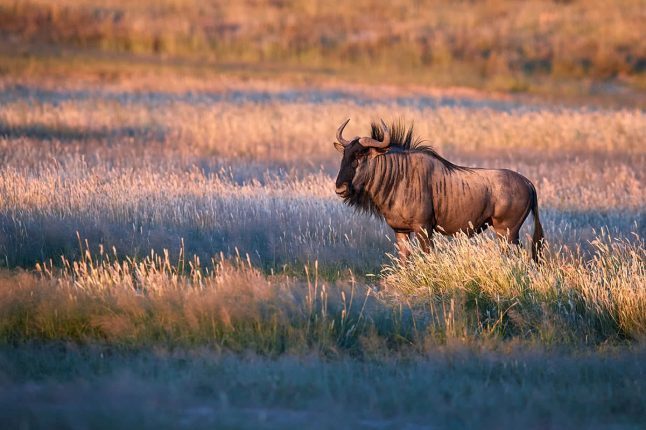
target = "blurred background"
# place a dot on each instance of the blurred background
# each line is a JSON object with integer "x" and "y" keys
{"x": 562, "y": 49}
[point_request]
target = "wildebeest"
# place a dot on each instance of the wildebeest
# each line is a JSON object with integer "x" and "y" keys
{"x": 417, "y": 191}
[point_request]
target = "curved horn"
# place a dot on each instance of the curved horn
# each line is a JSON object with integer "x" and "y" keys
{"x": 372, "y": 143}
{"x": 339, "y": 134}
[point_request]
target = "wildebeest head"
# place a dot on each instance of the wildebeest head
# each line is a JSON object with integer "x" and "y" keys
{"x": 356, "y": 152}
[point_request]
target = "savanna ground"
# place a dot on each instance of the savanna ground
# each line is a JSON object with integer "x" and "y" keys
{"x": 174, "y": 254}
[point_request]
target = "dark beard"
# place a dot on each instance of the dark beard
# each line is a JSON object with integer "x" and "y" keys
{"x": 362, "y": 202}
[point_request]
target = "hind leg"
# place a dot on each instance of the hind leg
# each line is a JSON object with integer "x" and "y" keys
{"x": 481, "y": 228}
{"x": 507, "y": 224}
{"x": 512, "y": 236}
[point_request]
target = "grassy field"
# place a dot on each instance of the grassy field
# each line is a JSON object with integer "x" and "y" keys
{"x": 173, "y": 254}
{"x": 144, "y": 170}
{"x": 148, "y": 224}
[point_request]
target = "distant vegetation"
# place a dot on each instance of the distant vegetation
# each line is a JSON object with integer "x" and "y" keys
{"x": 508, "y": 45}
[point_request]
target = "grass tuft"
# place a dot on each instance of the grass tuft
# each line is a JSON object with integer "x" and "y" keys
{"x": 483, "y": 287}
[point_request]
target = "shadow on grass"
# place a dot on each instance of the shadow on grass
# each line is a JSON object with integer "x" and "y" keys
{"x": 269, "y": 244}
{"x": 308, "y": 96}
{"x": 64, "y": 133}
{"x": 273, "y": 239}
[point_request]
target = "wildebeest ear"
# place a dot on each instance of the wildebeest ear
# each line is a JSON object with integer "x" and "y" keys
{"x": 339, "y": 147}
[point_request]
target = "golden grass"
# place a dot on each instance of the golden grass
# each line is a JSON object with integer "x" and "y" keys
{"x": 466, "y": 291}
{"x": 293, "y": 130}
{"x": 483, "y": 286}
{"x": 142, "y": 171}
{"x": 152, "y": 127}
{"x": 159, "y": 301}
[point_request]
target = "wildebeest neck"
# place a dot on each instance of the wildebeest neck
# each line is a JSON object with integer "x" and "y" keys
{"x": 391, "y": 180}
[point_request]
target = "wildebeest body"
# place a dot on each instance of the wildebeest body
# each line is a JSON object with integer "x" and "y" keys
{"x": 416, "y": 190}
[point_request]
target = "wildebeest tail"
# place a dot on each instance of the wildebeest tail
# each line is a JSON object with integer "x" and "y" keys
{"x": 538, "y": 238}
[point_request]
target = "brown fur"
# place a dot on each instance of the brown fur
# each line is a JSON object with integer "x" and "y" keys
{"x": 416, "y": 191}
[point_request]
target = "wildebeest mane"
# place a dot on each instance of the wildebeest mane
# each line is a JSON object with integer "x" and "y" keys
{"x": 402, "y": 137}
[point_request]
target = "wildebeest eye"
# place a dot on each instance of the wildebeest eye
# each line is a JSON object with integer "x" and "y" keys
{"x": 355, "y": 162}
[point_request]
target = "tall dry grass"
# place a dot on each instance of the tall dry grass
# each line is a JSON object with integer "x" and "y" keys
{"x": 466, "y": 291}
{"x": 227, "y": 304}
{"x": 485, "y": 287}
{"x": 143, "y": 171}
{"x": 292, "y": 126}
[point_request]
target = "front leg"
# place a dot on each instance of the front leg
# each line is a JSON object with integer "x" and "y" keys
{"x": 403, "y": 245}
{"x": 425, "y": 238}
